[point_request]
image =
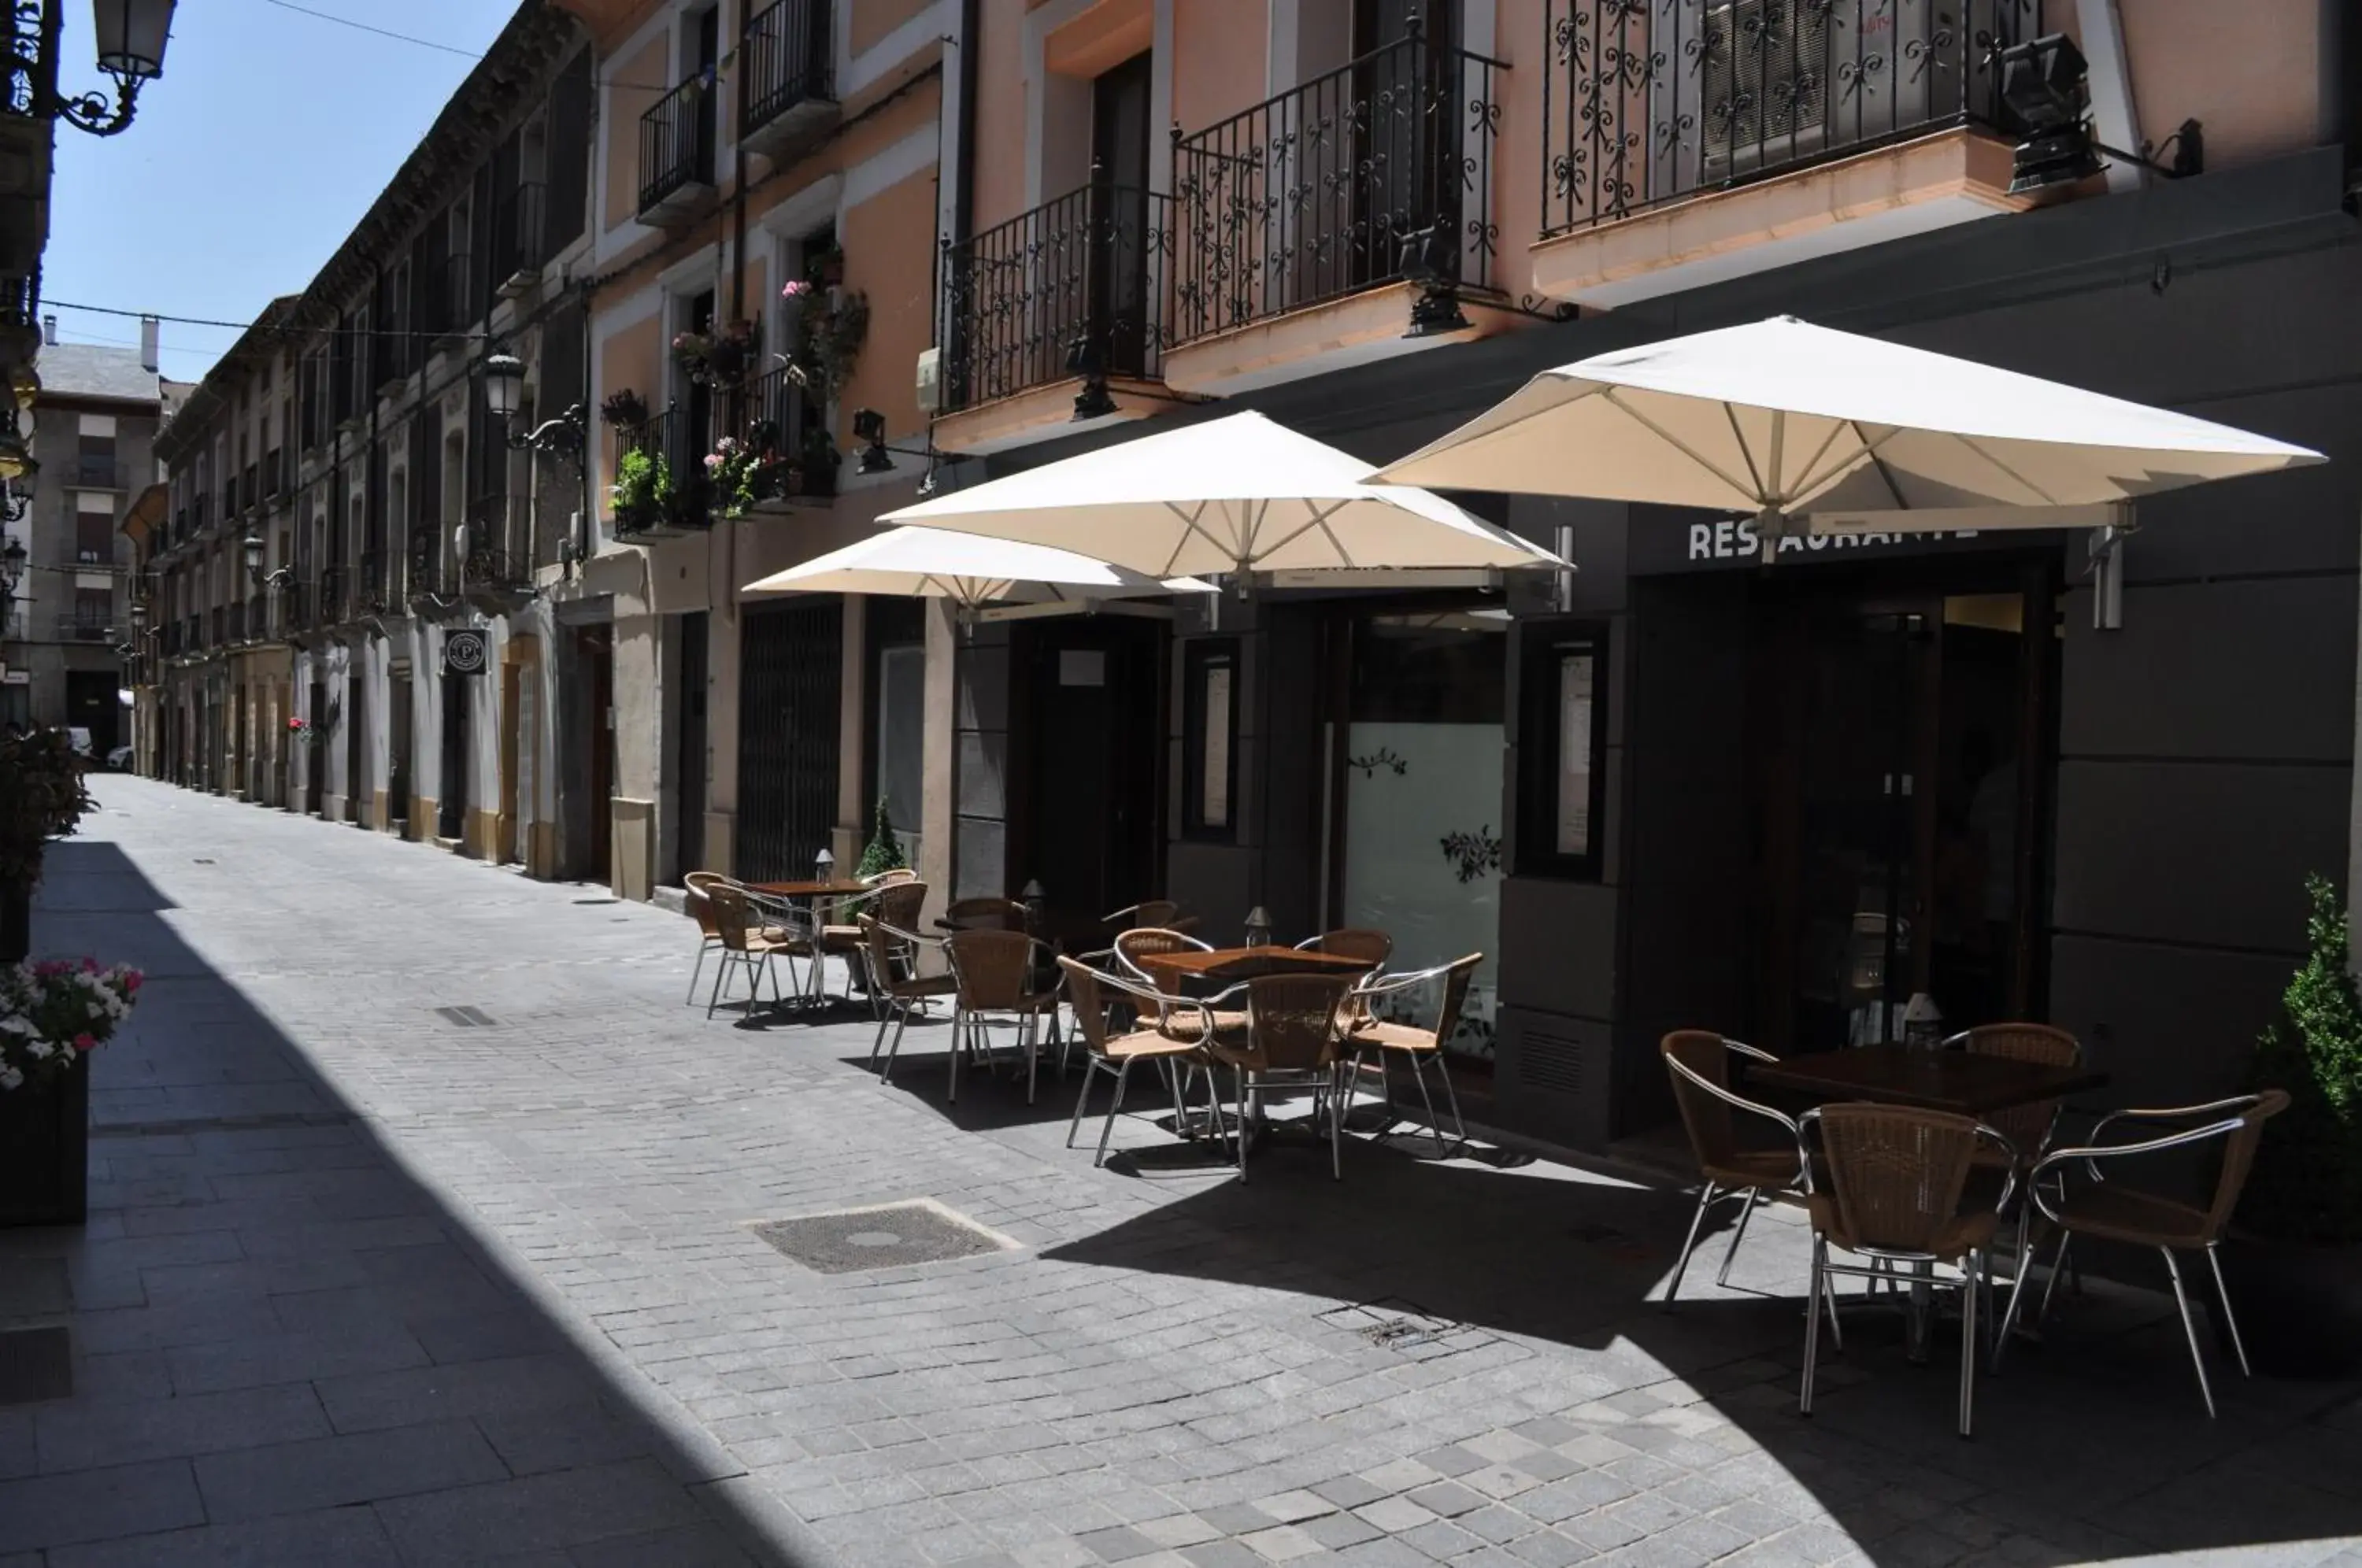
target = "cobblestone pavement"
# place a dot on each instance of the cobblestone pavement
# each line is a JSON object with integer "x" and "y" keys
{"x": 368, "y": 1281}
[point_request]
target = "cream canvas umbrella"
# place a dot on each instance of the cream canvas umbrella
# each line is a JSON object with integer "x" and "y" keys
{"x": 1239, "y": 494}
{"x": 970, "y": 571}
{"x": 1826, "y": 432}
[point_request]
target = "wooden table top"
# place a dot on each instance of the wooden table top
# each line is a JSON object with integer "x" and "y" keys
{"x": 1933, "y": 1080}
{"x": 1226, "y": 965}
{"x": 810, "y": 890}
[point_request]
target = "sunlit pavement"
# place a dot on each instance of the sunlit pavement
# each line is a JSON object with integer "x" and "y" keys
{"x": 367, "y": 1280}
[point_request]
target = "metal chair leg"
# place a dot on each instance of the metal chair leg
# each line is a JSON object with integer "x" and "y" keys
{"x": 1812, "y": 1327}
{"x": 1239, "y": 1128}
{"x": 2016, "y": 1294}
{"x": 1074, "y": 1123}
{"x": 1681, "y": 1265}
{"x": 2189, "y": 1330}
{"x": 1969, "y": 1342}
{"x": 1452, "y": 1098}
{"x": 1336, "y": 1127}
{"x": 1122, "y": 1074}
{"x": 959, "y": 1048}
{"x": 721, "y": 977}
{"x": 1747, "y": 1203}
{"x": 2223, "y": 1299}
{"x": 703, "y": 947}
{"x": 2058, "y": 1267}
{"x": 1434, "y": 1123}
{"x": 1829, "y": 1299}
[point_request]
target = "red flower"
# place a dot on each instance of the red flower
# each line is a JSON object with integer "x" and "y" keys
{"x": 84, "y": 1042}
{"x": 131, "y": 981}
{"x": 90, "y": 965}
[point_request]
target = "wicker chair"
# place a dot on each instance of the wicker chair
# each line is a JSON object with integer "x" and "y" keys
{"x": 984, "y": 914}
{"x": 1089, "y": 992}
{"x": 888, "y": 878}
{"x": 1177, "y": 1019}
{"x": 747, "y": 944}
{"x": 1408, "y": 1042}
{"x": 896, "y": 906}
{"x": 1295, "y": 1035}
{"x": 709, "y": 930}
{"x": 895, "y": 983}
{"x": 1895, "y": 1177}
{"x": 993, "y": 970}
{"x": 1699, "y": 1062}
{"x": 1371, "y": 947}
{"x": 2108, "y": 1210}
{"x": 2029, "y": 1127}
{"x": 1161, "y": 913}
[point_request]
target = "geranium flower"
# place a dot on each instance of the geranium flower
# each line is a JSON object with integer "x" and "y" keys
{"x": 85, "y": 1043}
{"x": 793, "y": 287}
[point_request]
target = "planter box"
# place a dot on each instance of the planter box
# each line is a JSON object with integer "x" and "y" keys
{"x": 2299, "y": 1306}
{"x": 45, "y": 1152}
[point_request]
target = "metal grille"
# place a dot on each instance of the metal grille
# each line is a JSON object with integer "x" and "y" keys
{"x": 789, "y": 691}
{"x": 789, "y": 55}
{"x": 676, "y": 141}
{"x": 1643, "y": 104}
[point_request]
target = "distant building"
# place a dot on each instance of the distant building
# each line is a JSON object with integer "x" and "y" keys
{"x": 95, "y": 421}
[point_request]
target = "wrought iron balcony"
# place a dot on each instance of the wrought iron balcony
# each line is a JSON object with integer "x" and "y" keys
{"x": 1077, "y": 287}
{"x": 677, "y": 148}
{"x": 675, "y": 498}
{"x": 520, "y": 227}
{"x": 1650, "y": 104}
{"x": 97, "y": 473}
{"x": 785, "y": 421}
{"x": 1380, "y": 171}
{"x": 786, "y": 79}
{"x": 80, "y": 628}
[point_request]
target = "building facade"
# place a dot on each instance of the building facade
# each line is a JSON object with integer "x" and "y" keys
{"x": 93, "y": 427}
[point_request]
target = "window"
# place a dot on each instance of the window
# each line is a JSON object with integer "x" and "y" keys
{"x": 94, "y": 608}
{"x": 93, "y": 538}
{"x": 94, "y": 461}
{"x": 1209, "y": 739}
{"x": 1562, "y": 749}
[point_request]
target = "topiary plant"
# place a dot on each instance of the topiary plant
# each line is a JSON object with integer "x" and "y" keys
{"x": 885, "y": 851}
{"x": 2307, "y": 1181}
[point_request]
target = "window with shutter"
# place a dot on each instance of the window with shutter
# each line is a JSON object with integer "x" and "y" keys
{"x": 569, "y": 152}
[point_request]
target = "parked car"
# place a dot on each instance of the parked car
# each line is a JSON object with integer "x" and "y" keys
{"x": 119, "y": 759}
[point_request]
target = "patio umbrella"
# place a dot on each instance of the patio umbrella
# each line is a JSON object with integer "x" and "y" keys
{"x": 973, "y": 571}
{"x": 1820, "y": 431}
{"x": 1238, "y": 494}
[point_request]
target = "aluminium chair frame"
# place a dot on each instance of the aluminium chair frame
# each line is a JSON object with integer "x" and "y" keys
{"x": 968, "y": 1028}
{"x": 1378, "y": 983}
{"x": 1748, "y": 1195}
{"x": 1189, "y": 1056}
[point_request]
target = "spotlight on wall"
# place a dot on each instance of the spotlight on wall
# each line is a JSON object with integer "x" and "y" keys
{"x": 2044, "y": 82}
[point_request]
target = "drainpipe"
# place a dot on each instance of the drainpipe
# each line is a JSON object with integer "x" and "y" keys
{"x": 2113, "y": 115}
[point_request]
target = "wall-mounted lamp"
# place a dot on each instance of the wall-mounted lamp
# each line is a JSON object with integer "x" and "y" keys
{"x": 131, "y": 36}
{"x": 505, "y": 394}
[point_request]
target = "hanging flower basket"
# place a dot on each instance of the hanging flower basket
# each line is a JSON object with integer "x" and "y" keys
{"x": 625, "y": 410}
{"x": 53, "y": 1015}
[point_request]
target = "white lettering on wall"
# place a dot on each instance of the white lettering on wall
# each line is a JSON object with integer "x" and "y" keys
{"x": 1736, "y": 539}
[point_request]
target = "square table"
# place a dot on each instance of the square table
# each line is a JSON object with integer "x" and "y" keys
{"x": 814, "y": 892}
{"x": 1956, "y": 1081}
{"x": 1228, "y": 965}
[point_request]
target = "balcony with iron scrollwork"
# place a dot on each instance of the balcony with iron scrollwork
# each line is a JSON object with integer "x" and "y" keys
{"x": 786, "y": 78}
{"x": 1689, "y": 141}
{"x": 663, "y": 492}
{"x": 1057, "y": 320}
{"x": 1348, "y": 220}
{"x": 495, "y": 570}
{"x": 677, "y": 137}
{"x": 787, "y": 428}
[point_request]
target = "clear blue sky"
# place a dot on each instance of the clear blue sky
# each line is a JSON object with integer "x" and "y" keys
{"x": 267, "y": 138}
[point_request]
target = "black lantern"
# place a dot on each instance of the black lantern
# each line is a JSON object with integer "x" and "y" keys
{"x": 138, "y": 613}
{"x": 131, "y": 37}
{"x": 504, "y": 395}
{"x": 12, "y": 567}
{"x": 503, "y": 384}
{"x": 251, "y": 550}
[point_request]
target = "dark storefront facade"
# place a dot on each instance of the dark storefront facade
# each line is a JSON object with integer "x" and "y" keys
{"x": 1682, "y": 789}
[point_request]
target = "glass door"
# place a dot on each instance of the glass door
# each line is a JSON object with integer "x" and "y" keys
{"x": 1417, "y": 818}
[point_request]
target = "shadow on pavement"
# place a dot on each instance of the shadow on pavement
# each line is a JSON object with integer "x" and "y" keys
{"x": 2094, "y": 1442}
{"x": 286, "y": 1347}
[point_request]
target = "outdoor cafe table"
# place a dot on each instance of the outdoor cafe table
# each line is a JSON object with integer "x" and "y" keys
{"x": 1959, "y": 1081}
{"x": 812, "y": 892}
{"x": 1228, "y": 965}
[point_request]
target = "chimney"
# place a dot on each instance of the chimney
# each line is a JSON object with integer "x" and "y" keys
{"x": 150, "y": 327}
{"x": 48, "y": 332}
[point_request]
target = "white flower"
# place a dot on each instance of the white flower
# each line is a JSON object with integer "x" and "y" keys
{"x": 10, "y": 1077}
{"x": 96, "y": 1010}
{"x": 40, "y": 1050}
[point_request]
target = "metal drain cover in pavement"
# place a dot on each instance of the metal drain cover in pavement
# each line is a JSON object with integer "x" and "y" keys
{"x": 888, "y": 1236}
{"x": 1404, "y": 1326}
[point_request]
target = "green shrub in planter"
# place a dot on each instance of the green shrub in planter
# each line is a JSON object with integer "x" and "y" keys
{"x": 885, "y": 849}
{"x": 2295, "y": 1265}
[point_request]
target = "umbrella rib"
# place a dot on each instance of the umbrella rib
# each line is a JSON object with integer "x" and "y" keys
{"x": 1730, "y": 412}
{"x": 1804, "y": 485}
{"x": 1970, "y": 442}
{"x": 1754, "y": 497}
{"x": 1316, "y": 519}
{"x": 1189, "y": 526}
{"x": 1870, "y": 449}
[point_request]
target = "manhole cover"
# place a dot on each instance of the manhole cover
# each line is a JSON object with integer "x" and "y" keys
{"x": 35, "y": 1363}
{"x": 1395, "y": 1324}
{"x": 889, "y": 1236}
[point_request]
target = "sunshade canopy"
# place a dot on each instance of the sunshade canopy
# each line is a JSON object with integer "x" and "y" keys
{"x": 1788, "y": 420}
{"x": 934, "y": 563}
{"x": 1237, "y": 494}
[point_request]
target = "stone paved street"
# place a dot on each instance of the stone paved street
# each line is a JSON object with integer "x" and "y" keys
{"x": 366, "y": 1282}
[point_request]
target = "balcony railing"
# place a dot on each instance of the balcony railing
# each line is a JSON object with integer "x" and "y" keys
{"x": 677, "y": 143}
{"x": 679, "y": 453}
{"x": 1643, "y": 104}
{"x": 788, "y": 58}
{"x": 97, "y": 473}
{"x": 1074, "y": 287}
{"x": 1380, "y": 171}
{"x": 81, "y": 628}
{"x": 782, "y": 418}
{"x": 519, "y": 229}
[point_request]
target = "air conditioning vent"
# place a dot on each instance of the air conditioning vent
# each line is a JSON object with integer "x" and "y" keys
{"x": 1551, "y": 1061}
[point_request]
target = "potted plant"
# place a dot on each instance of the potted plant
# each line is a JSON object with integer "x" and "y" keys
{"x": 41, "y": 798}
{"x": 52, "y": 1016}
{"x": 642, "y": 490}
{"x": 827, "y": 328}
{"x": 2294, "y": 1261}
{"x": 625, "y": 410}
{"x": 731, "y": 469}
{"x": 812, "y": 471}
{"x": 883, "y": 851}
{"x": 730, "y": 355}
{"x": 690, "y": 350}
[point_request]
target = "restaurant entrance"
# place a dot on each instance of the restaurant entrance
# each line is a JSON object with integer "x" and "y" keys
{"x": 1900, "y": 754}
